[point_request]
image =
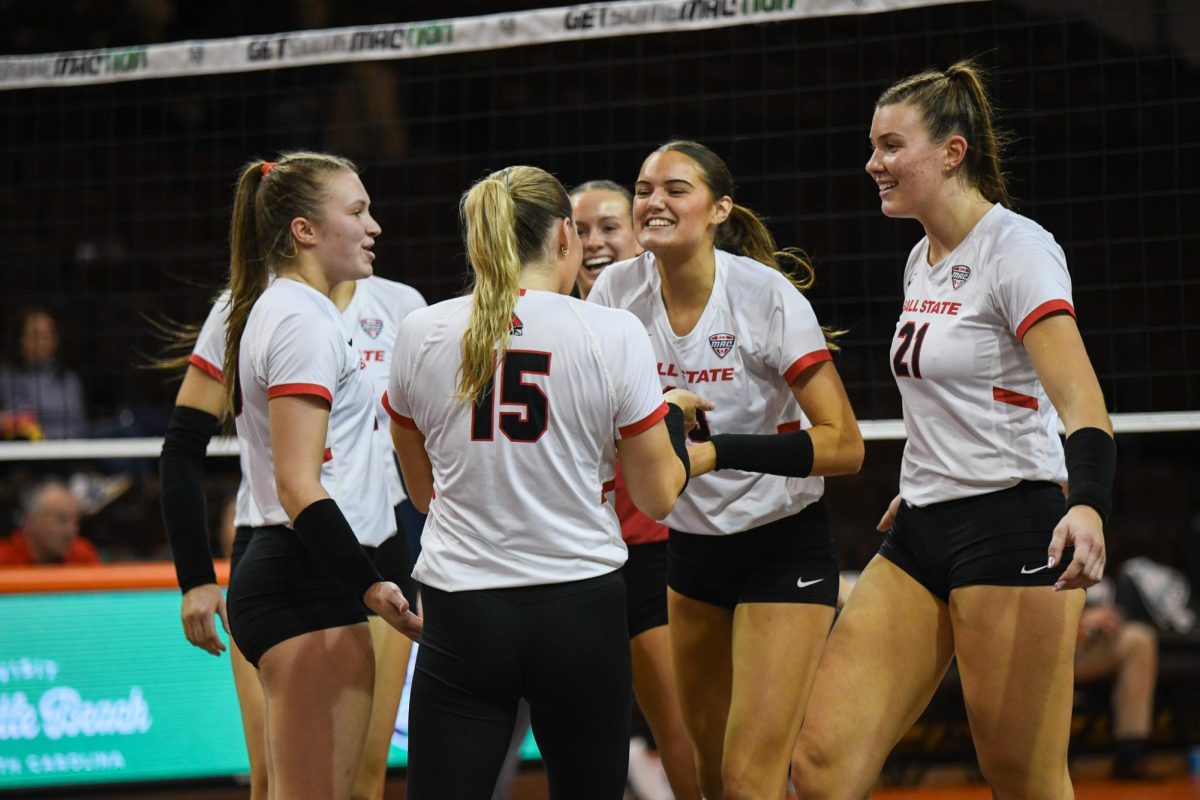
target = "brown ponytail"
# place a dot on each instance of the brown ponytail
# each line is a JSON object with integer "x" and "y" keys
{"x": 743, "y": 232}
{"x": 957, "y": 102}
{"x": 507, "y": 219}
{"x": 269, "y": 196}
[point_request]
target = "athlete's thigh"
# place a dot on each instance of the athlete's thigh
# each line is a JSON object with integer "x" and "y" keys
{"x": 887, "y": 654}
{"x": 702, "y": 655}
{"x": 319, "y": 687}
{"x": 392, "y": 650}
{"x": 654, "y": 677}
{"x": 1015, "y": 655}
{"x": 254, "y": 718}
{"x": 776, "y": 648}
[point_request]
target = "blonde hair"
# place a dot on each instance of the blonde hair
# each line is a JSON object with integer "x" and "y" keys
{"x": 957, "y": 102}
{"x": 506, "y": 218}
{"x": 269, "y": 195}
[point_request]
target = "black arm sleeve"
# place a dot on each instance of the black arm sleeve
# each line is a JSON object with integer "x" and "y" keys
{"x": 1091, "y": 463}
{"x": 789, "y": 454}
{"x": 181, "y": 478}
{"x": 328, "y": 536}
{"x": 674, "y": 423}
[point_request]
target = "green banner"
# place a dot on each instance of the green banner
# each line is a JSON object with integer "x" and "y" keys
{"x": 101, "y": 687}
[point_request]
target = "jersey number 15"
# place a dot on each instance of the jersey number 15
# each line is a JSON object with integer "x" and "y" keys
{"x": 526, "y": 425}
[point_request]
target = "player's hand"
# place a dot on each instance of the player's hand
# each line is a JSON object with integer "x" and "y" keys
{"x": 1083, "y": 528}
{"x": 386, "y": 600}
{"x": 200, "y": 606}
{"x": 688, "y": 403}
{"x": 889, "y": 516}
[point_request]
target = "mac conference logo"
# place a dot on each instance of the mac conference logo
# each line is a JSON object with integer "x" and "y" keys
{"x": 721, "y": 343}
{"x": 959, "y": 274}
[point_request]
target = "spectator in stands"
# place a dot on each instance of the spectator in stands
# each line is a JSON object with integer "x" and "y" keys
{"x": 49, "y": 532}
{"x": 40, "y": 398}
{"x": 1111, "y": 646}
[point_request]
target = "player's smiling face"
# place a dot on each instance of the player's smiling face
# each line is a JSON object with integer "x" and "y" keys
{"x": 673, "y": 208}
{"x": 905, "y": 164}
{"x": 602, "y": 218}
{"x": 346, "y": 231}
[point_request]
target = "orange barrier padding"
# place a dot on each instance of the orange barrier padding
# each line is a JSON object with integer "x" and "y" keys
{"x": 97, "y": 578}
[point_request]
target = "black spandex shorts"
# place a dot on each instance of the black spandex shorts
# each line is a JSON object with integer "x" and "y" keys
{"x": 241, "y": 540}
{"x": 995, "y": 539}
{"x": 645, "y": 574}
{"x": 790, "y": 560}
{"x": 278, "y": 592}
{"x": 563, "y": 647}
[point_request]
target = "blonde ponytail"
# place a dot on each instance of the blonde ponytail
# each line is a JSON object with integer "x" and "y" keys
{"x": 507, "y": 221}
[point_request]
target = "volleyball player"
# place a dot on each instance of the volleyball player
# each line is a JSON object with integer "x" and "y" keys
{"x": 752, "y": 573}
{"x": 977, "y": 562}
{"x": 370, "y": 310}
{"x": 505, "y": 406}
{"x": 305, "y": 416}
{"x": 604, "y": 219}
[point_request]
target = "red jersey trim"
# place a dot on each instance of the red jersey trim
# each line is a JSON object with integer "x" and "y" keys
{"x": 605, "y": 488}
{"x": 1041, "y": 312}
{"x": 327, "y": 457}
{"x": 1014, "y": 398}
{"x": 207, "y": 367}
{"x": 313, "y": 389}
{"x": 397, "y": 417}
{"x": 804, "y": 362}
{"x": 788, "y": 427}
{"x": 637, "y": 427}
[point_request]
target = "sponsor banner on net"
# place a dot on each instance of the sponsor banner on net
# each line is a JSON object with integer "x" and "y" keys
{"x": 417, "y": 39}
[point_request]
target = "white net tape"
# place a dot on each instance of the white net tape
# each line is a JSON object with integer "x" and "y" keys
{"x": 418, "y": 39}
{"x": 150, "y": 447}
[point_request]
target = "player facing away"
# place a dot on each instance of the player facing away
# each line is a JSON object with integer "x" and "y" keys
{"x": 509, "y": 406}
{"x": 982, "y": 560}
{"x": 751, "y": 568}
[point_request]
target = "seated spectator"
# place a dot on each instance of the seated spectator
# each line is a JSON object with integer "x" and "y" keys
{"x": 1111, "y": 646}
{"x": 49, "y": 532}
{"x": 39, "y": 397}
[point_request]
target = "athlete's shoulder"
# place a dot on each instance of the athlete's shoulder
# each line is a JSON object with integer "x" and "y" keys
{"x": 601, "y": 315}
{"x": 747, "y": 274}
{"x": 625, "y": 280}
{"x": 395, "y": 291}
{"x": 428, "y": 316}
{"x": 752, "y": 289}
{"x": 1009, "y": 230}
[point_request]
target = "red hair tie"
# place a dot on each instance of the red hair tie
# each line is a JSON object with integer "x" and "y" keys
{"x": 267, "y": 167}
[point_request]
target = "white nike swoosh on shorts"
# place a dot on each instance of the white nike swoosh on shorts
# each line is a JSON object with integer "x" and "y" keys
{"x": 1027, "y": 571}
{"x": 801, "y": 583}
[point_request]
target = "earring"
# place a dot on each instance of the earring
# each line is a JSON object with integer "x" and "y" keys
{"x": 564, "y": 252}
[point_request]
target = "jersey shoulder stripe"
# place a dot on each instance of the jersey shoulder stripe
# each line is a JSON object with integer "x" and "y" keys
{"x": 1040, "y": 313}
{"x": 313, "y": 389}
{"x": 644, "y": 424}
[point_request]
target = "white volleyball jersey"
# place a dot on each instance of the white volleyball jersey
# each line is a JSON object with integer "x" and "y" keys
{"x": 371, "y": 321}
{"x": 209, "y": 357}
{"x": 755, "y": 336}
{"x": 523, "y": 480}
{"x": 295, "y": 343}
{"x": 977, "y": 417}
